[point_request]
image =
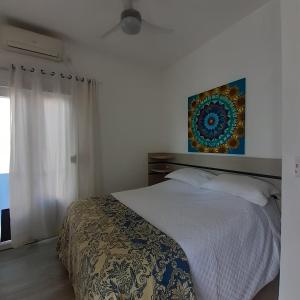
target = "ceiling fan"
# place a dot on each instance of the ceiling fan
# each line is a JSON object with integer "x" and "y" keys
{"x": 131, "y": 22}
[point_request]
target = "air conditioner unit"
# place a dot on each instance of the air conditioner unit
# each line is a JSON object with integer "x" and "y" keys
{"x": 31, "y": 43}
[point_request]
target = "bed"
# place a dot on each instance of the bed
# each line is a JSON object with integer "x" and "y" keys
{"x": 232, "y": 246}
{"x": 170, "y": 241}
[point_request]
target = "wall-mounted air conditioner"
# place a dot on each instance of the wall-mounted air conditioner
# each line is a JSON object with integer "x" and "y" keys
{"x": 31, "y": 43}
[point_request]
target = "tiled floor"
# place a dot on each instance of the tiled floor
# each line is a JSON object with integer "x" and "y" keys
{"x": 33, "y": 272}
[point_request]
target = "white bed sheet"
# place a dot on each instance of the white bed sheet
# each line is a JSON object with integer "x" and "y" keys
{"x": 233, "y": 246}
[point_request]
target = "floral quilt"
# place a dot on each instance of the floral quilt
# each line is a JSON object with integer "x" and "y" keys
{"x": 113, "y": 253}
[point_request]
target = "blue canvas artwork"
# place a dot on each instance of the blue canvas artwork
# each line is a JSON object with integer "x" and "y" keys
{"x": 216, "y": 119}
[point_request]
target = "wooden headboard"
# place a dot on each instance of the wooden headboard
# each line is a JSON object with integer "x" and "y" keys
{"x": 260, "y": 167}
{"x": 159, "y": 164}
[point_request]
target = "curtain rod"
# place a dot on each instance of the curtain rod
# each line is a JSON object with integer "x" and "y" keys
{"x": 43, "y": 72}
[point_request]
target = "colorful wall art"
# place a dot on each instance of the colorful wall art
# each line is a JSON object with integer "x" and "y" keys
{"x": 216, "y": 120}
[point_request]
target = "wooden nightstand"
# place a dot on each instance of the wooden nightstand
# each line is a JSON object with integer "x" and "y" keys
{"x": 158, "y": 167}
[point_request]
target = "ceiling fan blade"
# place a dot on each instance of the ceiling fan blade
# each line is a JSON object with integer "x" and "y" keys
{"x": 156, "y": 28}
{"x": 111, "y": 31}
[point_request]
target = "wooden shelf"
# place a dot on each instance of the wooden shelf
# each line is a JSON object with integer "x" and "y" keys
{"x": 158, "y": 167}
{"x": 161, "y": 171}
{"x": 161, "y": 156}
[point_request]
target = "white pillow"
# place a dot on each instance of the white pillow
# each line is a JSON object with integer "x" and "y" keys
{"x": 249, "y": 188}
{"x": 192, "y": 176}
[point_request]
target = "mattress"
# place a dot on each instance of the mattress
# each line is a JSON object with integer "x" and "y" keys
{"x": 232, "y": 245}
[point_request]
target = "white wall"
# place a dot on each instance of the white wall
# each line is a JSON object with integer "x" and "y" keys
{"x": 290, "y": 238}
{"x": 251, "y": 49}
{"x": 130, "y": 102}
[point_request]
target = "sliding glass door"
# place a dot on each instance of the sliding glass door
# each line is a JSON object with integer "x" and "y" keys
{"x": 4, "y": 168}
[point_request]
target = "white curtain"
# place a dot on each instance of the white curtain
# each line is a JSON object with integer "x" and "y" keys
{"x": 52, "y": 150}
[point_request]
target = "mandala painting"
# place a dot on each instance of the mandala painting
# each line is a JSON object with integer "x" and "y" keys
{"x": 217, "y": 120}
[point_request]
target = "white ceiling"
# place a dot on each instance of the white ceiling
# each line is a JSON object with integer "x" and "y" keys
{"x": 84, "y": 21}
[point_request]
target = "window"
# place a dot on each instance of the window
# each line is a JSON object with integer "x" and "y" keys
{"x": 4, "y": 167}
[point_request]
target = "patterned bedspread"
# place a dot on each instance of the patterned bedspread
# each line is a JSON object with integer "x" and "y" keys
{"x": 111, "y": 252}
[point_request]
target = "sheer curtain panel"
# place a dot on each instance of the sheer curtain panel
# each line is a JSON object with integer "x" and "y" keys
{"x": 52, "y": 150}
